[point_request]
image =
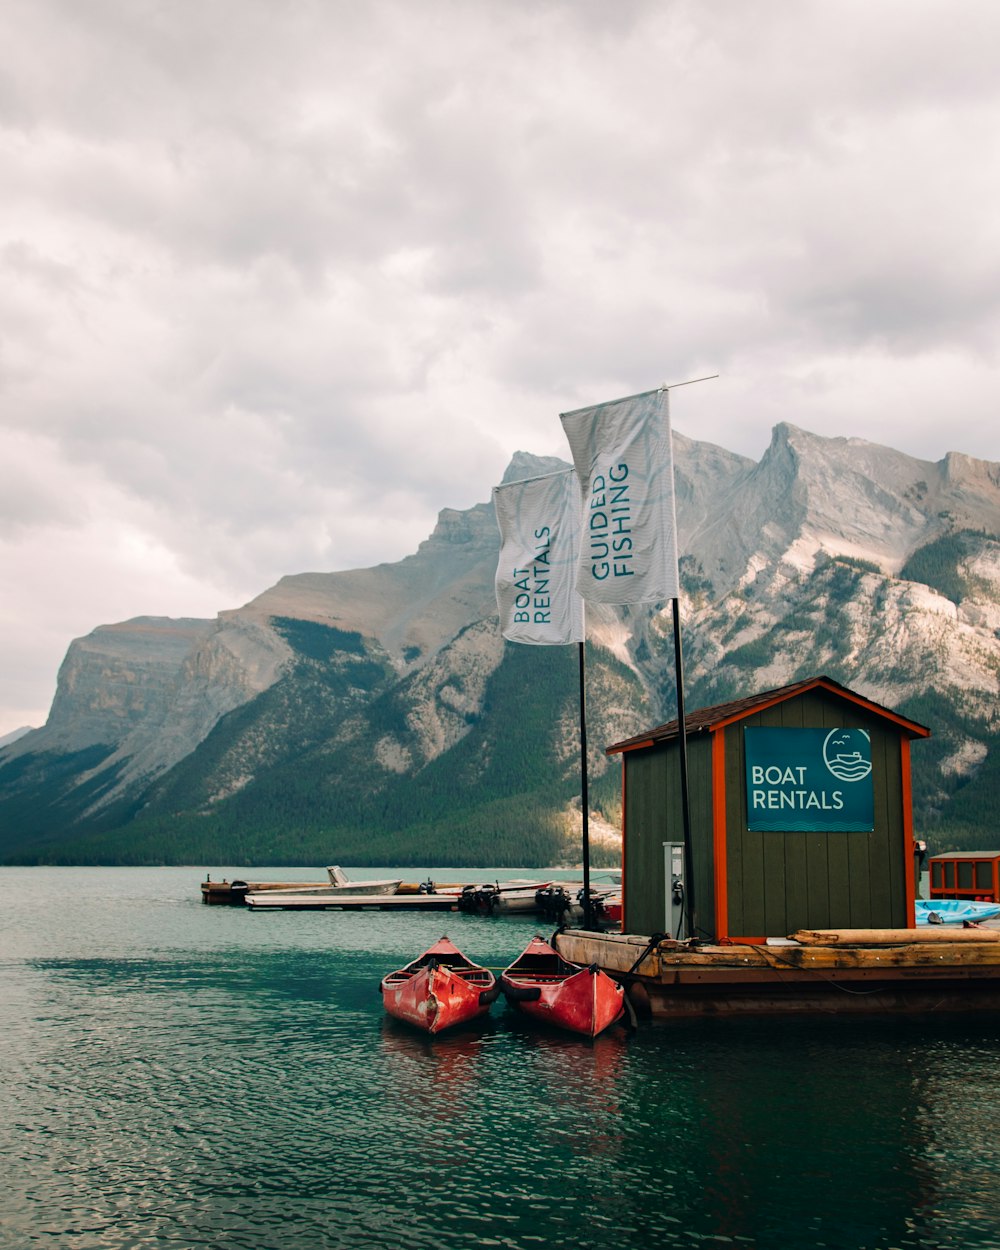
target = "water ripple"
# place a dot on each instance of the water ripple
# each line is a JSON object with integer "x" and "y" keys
{"x": 161, "y": 1091}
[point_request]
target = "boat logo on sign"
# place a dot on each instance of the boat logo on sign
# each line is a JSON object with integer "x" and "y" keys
{"x": 847, "y": 754}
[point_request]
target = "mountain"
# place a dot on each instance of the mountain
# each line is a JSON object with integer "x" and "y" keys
{"x": 376, "y": 716}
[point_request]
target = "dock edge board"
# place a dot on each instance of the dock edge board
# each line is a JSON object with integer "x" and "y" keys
{"x": 673, "y": 979}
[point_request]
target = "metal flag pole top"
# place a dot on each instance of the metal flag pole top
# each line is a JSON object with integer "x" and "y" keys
{"x": 672, "y": 386}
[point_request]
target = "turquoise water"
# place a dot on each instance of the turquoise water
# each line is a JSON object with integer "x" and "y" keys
{"x": 175, "y": 1075}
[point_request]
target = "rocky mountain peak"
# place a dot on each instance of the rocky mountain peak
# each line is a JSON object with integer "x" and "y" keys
{"x": 788, "y": 562}
{"x": 524, "y": 465}
{"x": 114, "y": 679}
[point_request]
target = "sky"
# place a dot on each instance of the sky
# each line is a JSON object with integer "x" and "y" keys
{"x": 281, "y": 279}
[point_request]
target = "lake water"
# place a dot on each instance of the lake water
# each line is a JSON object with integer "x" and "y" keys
{"x": 175, "y": 1075}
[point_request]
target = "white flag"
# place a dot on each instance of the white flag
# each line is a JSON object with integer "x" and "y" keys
{"x": 539, "y": 520}
{"x": 624, "y": 460}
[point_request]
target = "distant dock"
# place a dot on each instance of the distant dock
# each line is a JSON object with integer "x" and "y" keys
{"x": 342, "y": 894}
{"x": 274, "y": 901}
{"x": 337, "y": 891}
{"x": 233, "y": 893}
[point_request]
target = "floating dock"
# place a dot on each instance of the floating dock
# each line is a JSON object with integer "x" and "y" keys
{"x": 233, "y": 893}
{"x": 846, "y": 971}
{"x": 279, "y": 900}
{"x": 236, "y": 893}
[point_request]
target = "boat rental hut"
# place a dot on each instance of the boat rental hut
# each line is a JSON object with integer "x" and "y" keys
{"x": 799, "y": 811}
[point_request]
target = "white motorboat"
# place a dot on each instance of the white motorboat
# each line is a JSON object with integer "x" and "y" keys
{"x": 339, "y": 884}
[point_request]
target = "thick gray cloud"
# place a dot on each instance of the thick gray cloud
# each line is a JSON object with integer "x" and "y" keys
{"x": 277, "y": 282}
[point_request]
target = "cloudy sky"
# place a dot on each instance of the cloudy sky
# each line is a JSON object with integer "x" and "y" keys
{"x": 280, "y": 279}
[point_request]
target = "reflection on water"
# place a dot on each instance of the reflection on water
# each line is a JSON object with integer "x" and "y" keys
{"x": 176, "y": 1075}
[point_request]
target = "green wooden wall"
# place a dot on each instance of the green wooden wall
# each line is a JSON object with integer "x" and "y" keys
{"x": 654, "y": 815}
{"x": 780, "y": 882}
{"x": 776, "y": 882}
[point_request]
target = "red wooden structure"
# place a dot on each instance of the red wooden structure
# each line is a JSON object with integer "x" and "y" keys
{"x": 966, "y": 874}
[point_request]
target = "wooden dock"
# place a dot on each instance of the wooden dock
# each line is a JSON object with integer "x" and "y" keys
{"x": 233, "y": 893}
{"x": 237, "y": 893}
{"x": 910, "y": 970}
{"x": 279, "y": 900}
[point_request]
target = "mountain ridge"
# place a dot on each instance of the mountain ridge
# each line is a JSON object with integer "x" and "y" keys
{"x": 827, "y": 555}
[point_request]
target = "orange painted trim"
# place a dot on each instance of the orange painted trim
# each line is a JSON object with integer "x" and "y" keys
{"x": 720, "y": 867}
{"x": 635, "y": 746}
{"x": 918, "y": 731}
{"x": 624, "y": 845}
{"x": 911, "y": 727}
{"x": 908, "y": 839}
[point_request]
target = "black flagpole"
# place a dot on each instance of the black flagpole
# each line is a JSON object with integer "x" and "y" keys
{"x": 689, "y": 891}
{"x": 689, "y": 907}
{"x": 588, "y": 911}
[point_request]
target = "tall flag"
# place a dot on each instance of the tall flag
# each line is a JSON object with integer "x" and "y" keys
{"x": 624, "y": 461}
{"x": 539, "y": 520}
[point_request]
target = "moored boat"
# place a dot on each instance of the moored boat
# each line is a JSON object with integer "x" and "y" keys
{"x": 234, "y": 893}
{"x": 609, "y": 911}
{"x": 561, "y": 902}
{"x": 439, "y": 989}
{"x": 501, "y": 898}
{"x": 954, "y": 911}
{"x": 543, "y": 985}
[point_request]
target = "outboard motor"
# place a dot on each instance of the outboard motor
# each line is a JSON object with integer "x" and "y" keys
{"x": 553, "y": 902}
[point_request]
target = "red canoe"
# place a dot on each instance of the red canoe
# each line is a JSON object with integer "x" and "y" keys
{"x": 547, "y": 987}
{"x": 440, "y": 989}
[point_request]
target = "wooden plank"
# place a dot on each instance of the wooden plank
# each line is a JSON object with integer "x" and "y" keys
{"x": 720, "y": 866}
{"x": 820, "y": 866}
{"x": 931, "y": 934}
{"x": 354, "y": 902}
{"x": 775, "y": 889}
{"x": 614, "y": 952}
{"x": 817, "y": 880}
{"x": 735, "y": 829}
{"x": 796, "y": 913}
{"x": 923, "y": 974}
{"x": 838, "y": 881}
{"x": 883, "y": 867}
{"x": 701, "y": 778}
{"x": 645, "y": 816}
{"x": 753, "y": 878}
{"x": 677, "y": 1003}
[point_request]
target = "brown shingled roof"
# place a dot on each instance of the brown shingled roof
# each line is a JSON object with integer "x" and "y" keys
{"x": 707, "y": 718}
